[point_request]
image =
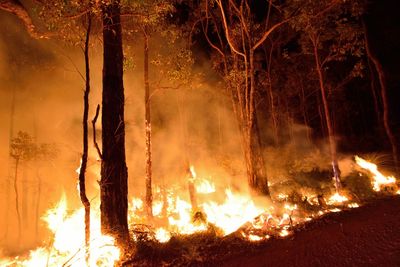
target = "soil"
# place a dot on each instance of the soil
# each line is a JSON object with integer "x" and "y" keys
{"x": 366, "y": 236}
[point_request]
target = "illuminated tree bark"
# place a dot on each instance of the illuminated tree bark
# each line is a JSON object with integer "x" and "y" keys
{"x": 82, "y": 171}
{"x": 327, "y": 115}
{"x": 114, "y": 175}
{"x": 149, "y": 196}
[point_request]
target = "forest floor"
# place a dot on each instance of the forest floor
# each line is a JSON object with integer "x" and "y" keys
{"x": 364, "y": 236}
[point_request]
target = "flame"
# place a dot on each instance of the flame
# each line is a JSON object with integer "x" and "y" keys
{"x": 192, "y": 172}
{"x": 68, "y": 244}
{"x": 336, "y": 199}
{"x": 204, "y": 186}
{"x": 233, "y": 213}
{"x": 162, "y": 235}
{"x": 175, "y": 216}
{"x": 379, "y": 180}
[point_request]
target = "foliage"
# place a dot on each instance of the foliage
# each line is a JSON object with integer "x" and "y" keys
{"x": 23, "y": 147}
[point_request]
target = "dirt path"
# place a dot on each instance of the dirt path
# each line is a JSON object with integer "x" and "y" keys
{"x": 366, "y": 236}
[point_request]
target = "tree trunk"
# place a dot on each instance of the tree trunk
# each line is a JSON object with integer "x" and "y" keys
{"x": 304, "y": 110}
{"x": 270, "y": 93}
{"x": 114, "y": 173}
{"x": 82, "y": 171}
{"x": 9, "y": 176}
{"x": 37, "y": 208}
{"x": 257, "y": 174}
{"x": 385, "y": 103}
{"x": 17, "y": 200}
{"x": 255, "y": 164}
{"x": 24, "y": 197}
{"x": 331, "y": 136}
{"x": 149, "y": 196}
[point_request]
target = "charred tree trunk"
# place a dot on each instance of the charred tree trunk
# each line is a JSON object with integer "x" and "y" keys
{"x": 114, "y": 173}
{"x": 385, "y": 103}
{"x": 82, "y": 171}
{"x": 329, "y": 126}
{"x": 149, "y": 196}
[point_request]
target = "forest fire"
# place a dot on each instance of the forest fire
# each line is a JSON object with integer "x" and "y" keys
{"x": 66, "y": 247}
{"x": 236, "y": 213}
{"x": 379, "y": 180}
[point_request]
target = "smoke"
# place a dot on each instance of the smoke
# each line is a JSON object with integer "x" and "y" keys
{"x": 192, "y": 124}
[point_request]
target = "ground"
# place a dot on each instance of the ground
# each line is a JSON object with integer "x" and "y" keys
{"x": 365, "y": 236}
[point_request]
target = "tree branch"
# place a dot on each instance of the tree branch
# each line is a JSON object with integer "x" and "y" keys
{"x": 94, "y": 132}
{"x": 15, "y": 7}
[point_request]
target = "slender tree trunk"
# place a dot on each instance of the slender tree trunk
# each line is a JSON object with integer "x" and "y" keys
{"x": 17, "y": 200}
{"x": 82, "y": 171}
{"x": 273, "y": 111}
{"x": 114, "y": 173}
{"x": 24, "y": 197}
{"x": 188, "y": 173}
{"x": 385, "y": 103}
{"x": 271, "y": 98}
{"x": 331, "y": 135}
{"x": 9, "y": 177}
{"x": 304, "y": 110}
{"x": 374, "y": 90}
{"x": 37, "y": 208}
{"x": 147, "y": 104}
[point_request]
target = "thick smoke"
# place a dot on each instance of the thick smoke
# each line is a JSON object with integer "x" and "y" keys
{"x": 189, "y": 124}
{"x": 193, "y": 124}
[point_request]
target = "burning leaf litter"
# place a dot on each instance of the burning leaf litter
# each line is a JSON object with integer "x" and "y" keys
{"x": 237, "y": 213}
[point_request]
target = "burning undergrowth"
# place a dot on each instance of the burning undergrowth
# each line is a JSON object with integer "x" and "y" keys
{"x": 185, "y": 228}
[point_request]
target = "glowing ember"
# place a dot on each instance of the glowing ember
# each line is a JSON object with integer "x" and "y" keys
{"x": 284, "y": 232}
{"x": 353, "y": 205}
{"x": 282, "y": 196}
{"x": 379, "y": 180}
{"x": 335, "y": 210}
{"x": 336, "y": 199}
{"x": 162, "y": 235}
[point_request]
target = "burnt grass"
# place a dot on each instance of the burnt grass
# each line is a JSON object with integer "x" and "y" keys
{"x": 364, "y": 236}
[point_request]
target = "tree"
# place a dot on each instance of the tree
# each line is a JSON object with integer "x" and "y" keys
{"x": 235, "y": 34}
{"x": 148, "y": 17}
{"x": 82, "y": 170}
{"x": 330, "y": 32}
{"x": 22, "y": 149}
{"x": 114, "y": 173}
{"x": 385, "y": 103}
